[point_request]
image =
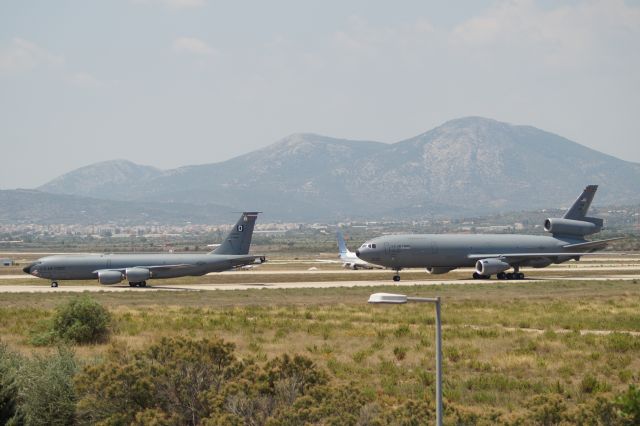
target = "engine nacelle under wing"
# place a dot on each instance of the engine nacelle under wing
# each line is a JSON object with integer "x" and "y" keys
{"x": 491, "y": 266}
{"x": 136, "y": 275}
{"x": 109, "y": 277}
{"x": 437, "y": 270}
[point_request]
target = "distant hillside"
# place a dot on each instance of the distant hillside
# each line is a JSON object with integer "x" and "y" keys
{"x": 107, "y": 179}
{"x": 468, "y": 165}
{"x": 27, "y": 206}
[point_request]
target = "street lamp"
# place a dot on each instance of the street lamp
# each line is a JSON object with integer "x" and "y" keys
{"x": 401, "y": 298}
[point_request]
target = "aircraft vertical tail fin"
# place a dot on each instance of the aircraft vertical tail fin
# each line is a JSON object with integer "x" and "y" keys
{"x": 239, "y": 239}
{"x": 580, "y": 207}
{"x": 342, "y": 246}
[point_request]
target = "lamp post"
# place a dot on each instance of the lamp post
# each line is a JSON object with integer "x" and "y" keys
{"x": 401, "y": 298}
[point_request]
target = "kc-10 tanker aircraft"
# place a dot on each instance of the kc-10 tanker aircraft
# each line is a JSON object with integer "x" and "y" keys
{"x": 492, "y": 253}
{"x": 138, "y": 268}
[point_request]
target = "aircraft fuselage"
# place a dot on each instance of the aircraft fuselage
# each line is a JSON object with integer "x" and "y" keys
{"x": 453, "y": 250}
{"x": 85, "y": 267}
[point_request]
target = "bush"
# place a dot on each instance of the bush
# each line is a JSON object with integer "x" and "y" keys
{"x": 46, "y": 393}
{"x": 590, "y": 384}
{"x": 175, "y": 376}
{"x": 9, "y": 366}
{"x": 82, "y": 320}
{"x": 629, "y": 403}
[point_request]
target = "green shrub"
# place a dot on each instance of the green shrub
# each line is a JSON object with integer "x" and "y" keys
{"x": 46, "y": 394}
{"x": 9, "y": 366}
{"x": 590, "y": 384}
{"x": 629, "y": 403}
{"x": 400, "y": 352}
{"x": 402, "y": 331}
{"x": 622, "y": 342}
{"x": 82, "y": 320}
{"x": 548, "y": 409}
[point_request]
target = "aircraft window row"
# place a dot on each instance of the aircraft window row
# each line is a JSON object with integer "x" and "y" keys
{"x": 400, "y": 246}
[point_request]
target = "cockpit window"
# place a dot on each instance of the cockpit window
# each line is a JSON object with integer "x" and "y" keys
{"x": 373, "y": 246}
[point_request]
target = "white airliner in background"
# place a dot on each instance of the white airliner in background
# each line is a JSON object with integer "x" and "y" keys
{"x": 349, "y": 258}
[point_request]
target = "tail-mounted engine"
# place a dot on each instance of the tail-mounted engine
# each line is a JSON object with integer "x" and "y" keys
{"x": 574, "y": 228}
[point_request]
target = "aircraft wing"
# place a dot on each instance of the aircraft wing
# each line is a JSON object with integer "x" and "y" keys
{"x": 150, "y": 268}
{"x": 516, "y": 257}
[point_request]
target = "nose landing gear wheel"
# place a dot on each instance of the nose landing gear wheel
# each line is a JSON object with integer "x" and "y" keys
{"x": 396, "y": 278}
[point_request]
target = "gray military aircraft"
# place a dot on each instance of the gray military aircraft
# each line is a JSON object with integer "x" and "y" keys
{"x": 138, "y": 268}
{"x": 492, "y": 253}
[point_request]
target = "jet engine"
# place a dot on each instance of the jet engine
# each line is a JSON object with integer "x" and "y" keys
{"x": 436, "y": 270}
{"x": 136, "y": 275}
{"x": 572, "y": 227}
{"x": 491, "y": 266}
{"x": 109, "y": 277}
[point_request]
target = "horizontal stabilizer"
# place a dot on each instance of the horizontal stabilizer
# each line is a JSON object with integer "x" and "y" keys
{"x": 592, "y": 245}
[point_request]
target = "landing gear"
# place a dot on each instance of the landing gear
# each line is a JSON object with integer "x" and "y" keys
{"x": 510, "y": 275}
{"x": 516, "y": 275}
{"x": 477, "y": 276}
{"x": 54, "y": 284}
{"x": 138, "y": 284}
{"x": 396, "y": 277}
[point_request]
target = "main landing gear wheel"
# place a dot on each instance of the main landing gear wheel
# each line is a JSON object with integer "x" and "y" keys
{"x": 513, "y": 276}
{"x": 139, "y": 284}
{"x": 501, "y": 276}
{"x": 477, "y": 276}
{"x": 54, "y": 284}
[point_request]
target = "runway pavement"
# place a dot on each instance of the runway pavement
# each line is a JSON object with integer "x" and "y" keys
{"x": 45, "y": 288}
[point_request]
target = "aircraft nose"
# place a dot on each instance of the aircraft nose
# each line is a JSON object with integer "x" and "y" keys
{"x": 27, "y": 269}
{"x": 358, "y": 253}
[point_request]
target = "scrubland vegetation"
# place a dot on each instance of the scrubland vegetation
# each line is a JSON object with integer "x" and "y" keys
{"x": 525, "y": 353}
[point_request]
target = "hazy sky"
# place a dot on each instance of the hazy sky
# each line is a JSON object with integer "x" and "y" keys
{"x": 177, "y": 82}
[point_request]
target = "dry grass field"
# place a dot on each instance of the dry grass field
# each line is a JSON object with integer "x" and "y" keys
{"x": 504, "y": 342}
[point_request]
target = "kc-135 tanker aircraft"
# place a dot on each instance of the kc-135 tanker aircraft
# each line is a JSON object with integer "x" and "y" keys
{"x": 491, "y": 253}
{"x": 138, "y": 268}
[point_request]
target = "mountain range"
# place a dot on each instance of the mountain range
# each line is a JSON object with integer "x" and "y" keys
{"x": 471, "y": 165}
